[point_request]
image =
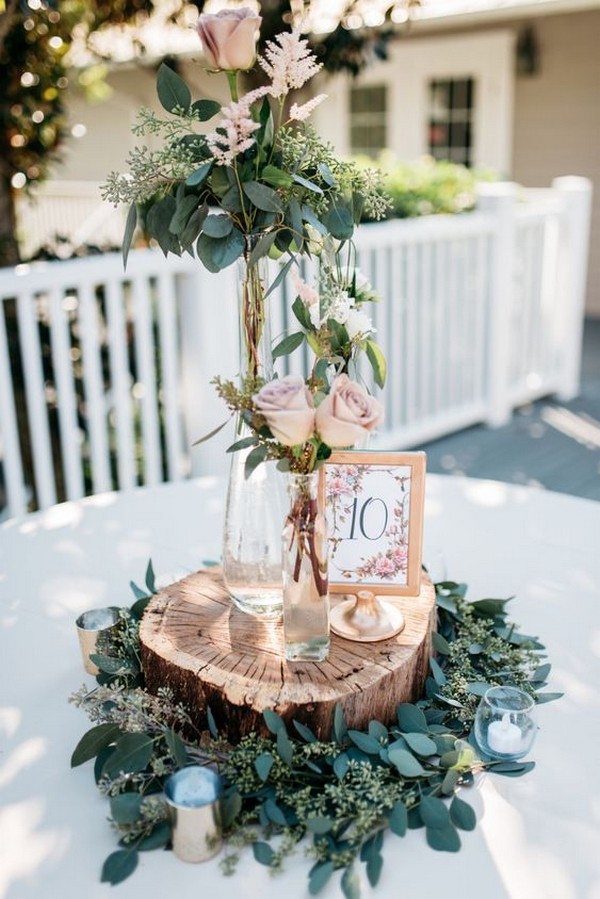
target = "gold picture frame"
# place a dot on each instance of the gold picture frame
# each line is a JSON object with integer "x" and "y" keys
{"x": 386, "y": 557}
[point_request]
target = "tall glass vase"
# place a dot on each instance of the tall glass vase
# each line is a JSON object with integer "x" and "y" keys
{"x": 304, "y": 562}
{"x": 254, "y": 506}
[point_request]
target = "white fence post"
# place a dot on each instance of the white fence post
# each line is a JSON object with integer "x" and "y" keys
{"x": 209, "y": 331}
{"x": 576, "y": 196}
{"x": 499, "y": 200}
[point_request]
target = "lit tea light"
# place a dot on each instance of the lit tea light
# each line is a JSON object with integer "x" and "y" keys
{"x": 505, "y": 737}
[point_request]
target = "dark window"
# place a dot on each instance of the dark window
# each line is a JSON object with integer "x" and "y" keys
{"x": 451, "y": 105}
{"x": 368, "y": 119}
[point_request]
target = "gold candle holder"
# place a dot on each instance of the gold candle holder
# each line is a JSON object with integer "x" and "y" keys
{"x": 193, "y": 795}
{"x": 365, "y": 618}
{"x": 91, "y": 625}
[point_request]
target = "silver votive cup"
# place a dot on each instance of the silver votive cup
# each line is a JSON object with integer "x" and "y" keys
{"x": 90, "y": 626}
{"x": 194, "y": 798}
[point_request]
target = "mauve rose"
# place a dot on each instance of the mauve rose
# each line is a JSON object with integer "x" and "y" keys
{"x": 287, "y": 406}
{"x": 229, "y": 38}
{"x": 346, "y": 413}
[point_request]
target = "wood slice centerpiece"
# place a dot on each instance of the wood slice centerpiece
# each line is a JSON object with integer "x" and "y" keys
{"x": 197, "y": 643}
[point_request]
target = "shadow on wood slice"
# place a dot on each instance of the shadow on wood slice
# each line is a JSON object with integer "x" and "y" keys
{"x": 197, "y": 643}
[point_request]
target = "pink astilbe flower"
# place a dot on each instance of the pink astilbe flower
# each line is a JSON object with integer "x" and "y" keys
{"x": 288, "y": 62}
{"x": 301, "y": 113}
{"x": 238, "y": 126}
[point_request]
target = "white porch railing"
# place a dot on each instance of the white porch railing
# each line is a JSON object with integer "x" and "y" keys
{"x": 104, "y": 375}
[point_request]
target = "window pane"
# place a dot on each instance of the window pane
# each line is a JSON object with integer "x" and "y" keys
{"x": 451, "y": 119}
{"x": 368, "y": 119}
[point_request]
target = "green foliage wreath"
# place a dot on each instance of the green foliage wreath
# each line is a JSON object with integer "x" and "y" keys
{"x": 340, "y": 796}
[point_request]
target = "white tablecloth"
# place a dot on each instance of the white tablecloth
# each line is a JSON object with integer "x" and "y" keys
{"x": 538, "y": 837}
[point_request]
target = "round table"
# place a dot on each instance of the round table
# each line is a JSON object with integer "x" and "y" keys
{"x": 538, "y": 836}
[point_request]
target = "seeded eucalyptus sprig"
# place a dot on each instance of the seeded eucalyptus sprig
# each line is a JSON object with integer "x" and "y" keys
{"x": 344, "y": 795}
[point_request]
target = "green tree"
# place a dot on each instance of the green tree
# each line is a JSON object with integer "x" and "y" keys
{"x": 35, "y": 37}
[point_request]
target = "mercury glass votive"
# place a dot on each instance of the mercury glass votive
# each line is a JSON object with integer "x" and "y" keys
{"x": 91, "y": 625}
{"x": 504, "y": 723}
{"x": 193, "y": 795}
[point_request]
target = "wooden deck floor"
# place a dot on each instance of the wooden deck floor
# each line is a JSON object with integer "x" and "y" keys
{"x": 547, "y": 444}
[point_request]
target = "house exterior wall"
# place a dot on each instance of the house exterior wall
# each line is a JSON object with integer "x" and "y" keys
{"x": 557, "y": 118}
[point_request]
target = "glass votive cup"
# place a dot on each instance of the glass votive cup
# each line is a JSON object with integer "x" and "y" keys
{"x": 504, "y": 723}
{"x": 193, "y": 795}
{"x": 92, "y": 625}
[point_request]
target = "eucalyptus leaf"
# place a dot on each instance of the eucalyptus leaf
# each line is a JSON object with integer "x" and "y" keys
{"x": 200, "y": 175}
{"x": 280, "y": 276}
{"x": 263, "y": 853}
{"x": 398, "y": 819}
{"x": 365, "y": 742}
{"x": 176, "y": 748}
{"x": 231, "y": 806}
{"x": 547, "y": 697}
{"x": 118, "y": 866}
{"x": 308, "y": 185}
{"x": 94, "y": 740}
{"x": 374, "y": 867}
{"x": 341, "y": 765}
{"x": 157, "y": 838}
{"x": 150, "y": 578}
{"x": 217, "y": 254}
{"x": 541, "y": 674}
{"x": 218, "y": 226}
{"x": 406, "y": 763}
{"x": 212, "y": 433}
{"x": 378, "y": 363}
{"x": 262, "y": 247}
{"x": 411, "y": 719}
{"x": 125, "y": 808}
{"x": 434, "y": 812}
{"x": 274, "y": 722}
{"x": 262, "y": 197}
{"x": 288, "y": 344}
{"x": 443, "y": 839}
{"x": 350, "y": 884}
{"x": 111, "y": 665}
{"x": 440, "y": 644}
{"x": 274, "y": 813}
{"x": 319, "y": 824}
{"x": 172, "y": 90}
{"x": 133, "y": 752}
{"x": 318, "y": 877}
{"x": 438, "y": 674}
{"x": 285, "y": 748}
{"x": 206, "y": 109}
{"x": 304, "y": 731}
{"x": 301, "y": 312}
{"x": 462, "y": 814}
{"x": 339, "y": 221}
{"x": 130, "y": 226}
{"x": 158, "y": 222}
{"x": 277, "y": 177}
{"x": 421, "y": 744}
{"x": 340, "y": 728}
{"x": 263, "y": 765}
{"x": 242, "y": 444}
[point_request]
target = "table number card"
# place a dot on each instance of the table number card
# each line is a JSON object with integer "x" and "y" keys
{"x": 374, "y": 508}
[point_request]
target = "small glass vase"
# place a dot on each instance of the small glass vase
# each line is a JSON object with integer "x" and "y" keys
{"x": 304, "y": 563}
{"x": 504, "y": 723}
{"x": 254, "y": 505}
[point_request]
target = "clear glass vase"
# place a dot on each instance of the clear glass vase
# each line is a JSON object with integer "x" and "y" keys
{"x": 304, "y": 562}
{"x": 255, "y": 505}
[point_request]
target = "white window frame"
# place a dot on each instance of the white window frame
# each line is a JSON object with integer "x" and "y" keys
{"x": 486, "y": 56}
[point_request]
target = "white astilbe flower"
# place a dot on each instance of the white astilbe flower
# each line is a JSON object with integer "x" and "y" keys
{"x": 301, "y": 113}
{"x": 238, "y": 126}
{"x": 288, "y": 62}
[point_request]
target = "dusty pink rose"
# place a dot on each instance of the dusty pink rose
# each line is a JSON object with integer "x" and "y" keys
{"x": 346, "y": 413}
{"x": 229, "y": 38}
{"x": 287, "y": 406}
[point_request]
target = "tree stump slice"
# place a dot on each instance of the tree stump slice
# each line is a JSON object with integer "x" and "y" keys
{"x": 197, "y": 643}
